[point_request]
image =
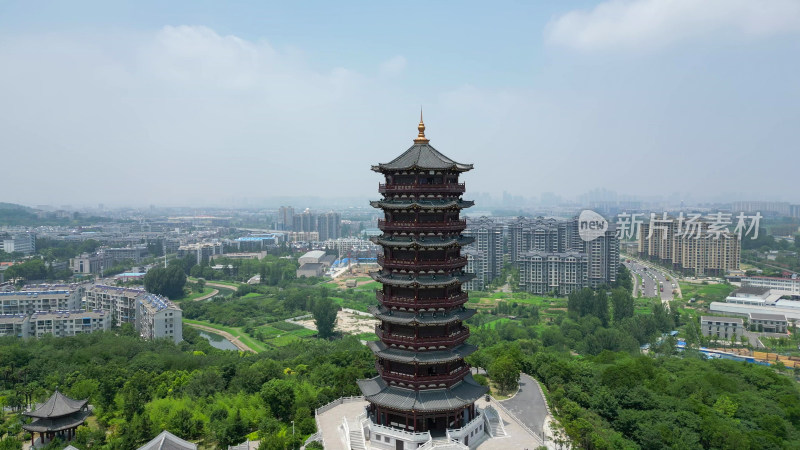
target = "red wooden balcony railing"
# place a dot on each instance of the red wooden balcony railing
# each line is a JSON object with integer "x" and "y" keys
{"x": 415, "y": 380}
{"x": 423, "y": 264}
{"x": 394, "y": 225}
{"x": 456, "y": 188}
{"x": 411, "y": 302}
{"x": 455, "y": 338}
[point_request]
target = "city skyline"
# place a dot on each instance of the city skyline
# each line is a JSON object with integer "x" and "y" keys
{"x": 140, "y": 103}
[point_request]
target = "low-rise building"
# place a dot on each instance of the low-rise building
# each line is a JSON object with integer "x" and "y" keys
{"x": 120, "y": 302}
{"x": 17, "y": 325}
{"x": 90, "y": 263}
{"x": 157, "y": 317}
{"x": 30, "y": 301}
{"x": 202, "y": 250}
{"x": 749, "y": 295}
{"x": 133, "y": 253}
{"x": 721, "y": 327}
{"x": 769, "y": 323}
{"x": 784, "y": 286}
{"x": 310, "y": 270}
{"x": 68, "y": 323}
{"x": 313, "y": 256}
{"x": 24, "y": 243}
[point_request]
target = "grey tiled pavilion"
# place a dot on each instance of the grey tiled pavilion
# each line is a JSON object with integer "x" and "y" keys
{"x": 423, "y": 382}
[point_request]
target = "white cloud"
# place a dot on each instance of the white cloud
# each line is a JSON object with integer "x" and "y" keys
{"x": 393, "y": 66}
{"x": 643, "y": 24}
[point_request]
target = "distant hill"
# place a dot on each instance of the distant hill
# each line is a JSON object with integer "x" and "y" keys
{"x": 13, "y": 206}
{"x": 12, "y": 214}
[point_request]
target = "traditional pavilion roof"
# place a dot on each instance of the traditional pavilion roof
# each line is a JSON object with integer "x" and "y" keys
{"x": 422, "y": 156}
{"x": 420, "y": 280}
{"x": 168, "y": 441}
{"x": 426, "y": 318}
{"x": 57, "y": 405}
{"x": 433, "y": 203}
{"x": 381, "y": 350}
{"x": 422, "y": 241}
{"x": 61, "y": 423}
{"x": 459, "y": 395}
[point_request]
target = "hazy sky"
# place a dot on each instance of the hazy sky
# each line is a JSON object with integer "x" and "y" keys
{"x": 183, "y": 102}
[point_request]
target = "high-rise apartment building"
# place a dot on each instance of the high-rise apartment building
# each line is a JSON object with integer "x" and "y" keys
{"x": 690, "y": 249}
{"x": 552, "y": 257}
{"x": 488, "y": 236}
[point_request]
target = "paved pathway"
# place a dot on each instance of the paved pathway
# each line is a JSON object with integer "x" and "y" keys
{"x": 234, "y": 340}
{"x": 528, "y": 404}
{"x": 207, "y": 296}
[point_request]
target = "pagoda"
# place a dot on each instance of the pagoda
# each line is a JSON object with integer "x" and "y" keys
{"x": 59, "y": 416}
{"x": 424, "y": 386}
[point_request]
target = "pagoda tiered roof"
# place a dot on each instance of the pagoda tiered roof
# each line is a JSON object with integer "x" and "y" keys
{"x": 423, "y": 203}
{"x": 422, "y": 241}
{"x": 420, "y": 318}
{"x": 422, "y": 156}
{"x": 382, "y": 350}
{"x": 56, "y": 406}
{"x": 57, "y": 413}
{"x": 411, "y": 279}
{"x": 461, "y": 394}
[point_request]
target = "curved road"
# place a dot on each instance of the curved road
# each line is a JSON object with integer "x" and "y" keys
{"x": 528, "y": 404}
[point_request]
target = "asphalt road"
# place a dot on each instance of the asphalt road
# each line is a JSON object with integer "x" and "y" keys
{"x": 528, "y": 404}
{"x": 651, "y": 277}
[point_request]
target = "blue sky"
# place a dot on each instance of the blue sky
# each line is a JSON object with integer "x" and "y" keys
{"x": 680, "y": 98}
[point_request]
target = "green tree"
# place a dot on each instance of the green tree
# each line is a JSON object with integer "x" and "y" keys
{"x": 168, "y": 282}
{"x": 505, "y": 373}
{"x": 622, "y": 302}
{"x": 278, "y": 395}
{"x": 324, "y": 312}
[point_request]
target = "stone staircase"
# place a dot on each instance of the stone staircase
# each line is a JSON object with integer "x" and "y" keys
{"x": 496, "y": 427}
{"x": 357, "y": 438}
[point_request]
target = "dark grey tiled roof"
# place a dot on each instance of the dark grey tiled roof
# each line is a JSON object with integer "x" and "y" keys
{"x": 751, "y": 290}
{"x": 57, "y": 423}
{"x": 422, "y": 241}
{"x": 420, "y": 280}
{"x": 57, "y": 405}
{"x": 168, "y": 441}
{"x": 437, "y": 203}
{"x": 427, "y": 318}
{"x": 422, "y": 156}
{"x": 381, "y": 350}
{"x": 464, "y": 393}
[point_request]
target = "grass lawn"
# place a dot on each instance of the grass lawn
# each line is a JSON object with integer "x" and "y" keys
{"x": 367, "y": 336}
{"x": 232, "y": 284}
{"x": 236, "y": 331}
{"x": 493, "y": 324}
{"x": 193, "y": 295}
{"x": 286, "y": 326}
{"x": 369, "y": 286}
{"x": 352, "y": 304}
{"x": 644, "y": 305}
{"x": 706, "y": 293}
{"x": 253, "y": 294}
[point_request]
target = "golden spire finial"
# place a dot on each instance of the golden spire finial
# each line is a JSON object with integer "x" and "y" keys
{"x": 421, "y": 139}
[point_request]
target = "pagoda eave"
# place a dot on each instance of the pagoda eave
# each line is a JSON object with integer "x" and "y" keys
{"x": 429, "y": 318}
{"x": 395, "y": 354}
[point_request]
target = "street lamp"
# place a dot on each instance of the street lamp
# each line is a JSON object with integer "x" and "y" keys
{"x": 293, "y": 428}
